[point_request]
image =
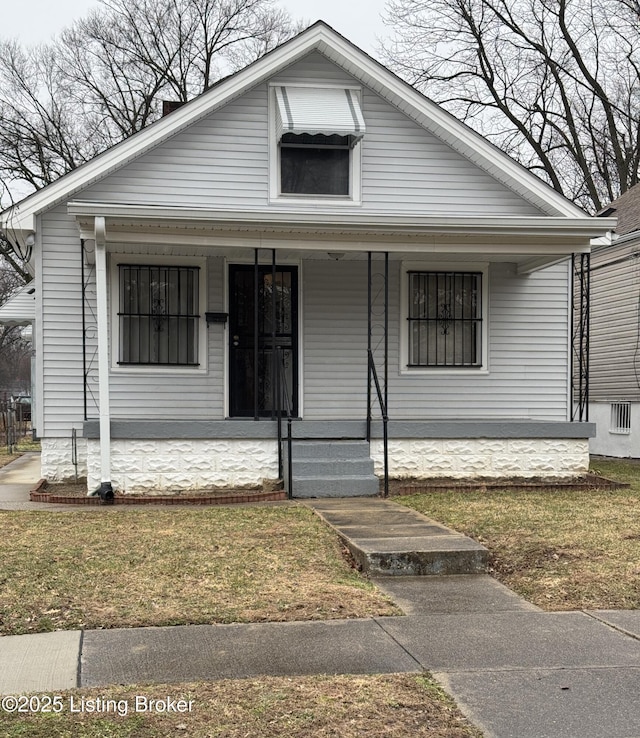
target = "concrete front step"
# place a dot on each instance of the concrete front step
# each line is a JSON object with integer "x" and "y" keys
{"x": 342, "y": 485}
{"x": 385, "y": 538}
{"x": 332, "y": 468}
{"x": 325, "y": 449}
{"x": 327, "y": 467}
{"x": 455, "y": 554}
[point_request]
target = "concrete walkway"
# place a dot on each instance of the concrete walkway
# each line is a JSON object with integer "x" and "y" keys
{"x": 17, "y": 479}
{"x": 385, "y": 538}
{"x": 514, "y": 670}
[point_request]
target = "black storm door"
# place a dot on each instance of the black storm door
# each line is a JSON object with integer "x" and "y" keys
{"x": 252, "y": 362}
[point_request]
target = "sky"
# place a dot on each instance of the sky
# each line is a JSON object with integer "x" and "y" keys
{"x": 35, "y": 21}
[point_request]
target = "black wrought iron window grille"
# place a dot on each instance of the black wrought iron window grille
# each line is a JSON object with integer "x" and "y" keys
{"x": 158, "y": 315}
{"x": 445, "y": 319}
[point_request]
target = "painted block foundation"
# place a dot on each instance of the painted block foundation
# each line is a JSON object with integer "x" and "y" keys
{"x": 484, "y": 458}
{"x": 161, "y": 466}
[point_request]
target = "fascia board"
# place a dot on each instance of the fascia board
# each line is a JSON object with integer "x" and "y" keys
{"x": 585, "y": 227}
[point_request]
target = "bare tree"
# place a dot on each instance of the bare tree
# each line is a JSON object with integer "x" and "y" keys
{"x": 555, "y": 83}
{"x": 37, "y": 141}
{"x": 104, "y": 78}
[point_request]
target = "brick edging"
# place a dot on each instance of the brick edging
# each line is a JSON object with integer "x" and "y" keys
{"x": 40, "y": 494}
{"x": 588, "y": 481}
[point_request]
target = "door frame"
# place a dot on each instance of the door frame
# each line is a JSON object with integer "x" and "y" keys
{"x": 248, "y": 261}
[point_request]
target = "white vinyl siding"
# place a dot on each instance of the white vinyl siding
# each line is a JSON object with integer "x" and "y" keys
{"x": 334, "y": 333}
{"x": 222, "y": 161}
{"x": 527, "y": 333}
{"x": 219, "y": 161}
{"x": 61, "y": 325}
{"x": 404, "y": 166}
{"x": 134, "y": 394}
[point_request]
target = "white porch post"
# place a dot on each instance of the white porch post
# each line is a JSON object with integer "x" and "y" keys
{"x": 105, "y": 490}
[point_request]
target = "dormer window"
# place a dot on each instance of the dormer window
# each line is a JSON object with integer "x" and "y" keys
{"x": 317, "y": 136}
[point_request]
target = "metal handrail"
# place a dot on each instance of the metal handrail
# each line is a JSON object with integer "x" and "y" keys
{"x": 282, "y": 393}
{"x": 385, "y": 421}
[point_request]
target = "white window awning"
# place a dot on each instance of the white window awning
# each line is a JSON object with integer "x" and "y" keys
{"x": 319, "y": 110}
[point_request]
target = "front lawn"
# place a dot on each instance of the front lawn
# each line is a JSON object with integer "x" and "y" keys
{"x": 560, "y": 549}
{"x": 384, "y": 706}
{"x": 124, "y": 568}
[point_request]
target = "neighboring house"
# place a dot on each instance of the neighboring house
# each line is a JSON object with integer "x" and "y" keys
{"x": 614, "y": 371}
{"x": 171, "y": 265}
{"x": 20, "y": 310}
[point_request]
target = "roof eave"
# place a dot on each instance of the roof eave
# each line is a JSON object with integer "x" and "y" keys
{"x": 325, "y": 221}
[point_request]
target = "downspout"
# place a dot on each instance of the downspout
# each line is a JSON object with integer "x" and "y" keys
{"x": 105, "y": 490}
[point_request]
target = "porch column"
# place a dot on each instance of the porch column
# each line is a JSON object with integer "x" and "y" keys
{"x": 105, "y": 490}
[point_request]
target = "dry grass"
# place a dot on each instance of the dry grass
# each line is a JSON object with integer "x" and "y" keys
{"x": 562, "y": 550}
{"x": 126, "y": 568}
{"x": 6, "y": 457}
{"x": 24, "y": 444}
{"x": 385, "y": 706}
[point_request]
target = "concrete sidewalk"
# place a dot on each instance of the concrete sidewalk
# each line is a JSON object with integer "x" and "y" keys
{"x": 17, "y": 479}
{"x": 514, "y": 670}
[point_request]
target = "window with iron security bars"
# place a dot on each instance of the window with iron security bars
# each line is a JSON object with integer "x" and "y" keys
{"x": 620, "y": 417}
{"x": 445, "y": 319}
{"x": 158, "y": 315}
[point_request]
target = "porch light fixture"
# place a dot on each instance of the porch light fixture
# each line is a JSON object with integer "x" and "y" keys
{"x": 337, "y": 255}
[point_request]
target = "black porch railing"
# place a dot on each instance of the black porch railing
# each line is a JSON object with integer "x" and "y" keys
{"x": 385, "y": 421}
{"x": 372, "y": 374}
{"x": 283, "y": 404}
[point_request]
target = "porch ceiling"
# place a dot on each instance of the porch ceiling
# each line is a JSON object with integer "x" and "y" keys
{"x": 530, "y": 242}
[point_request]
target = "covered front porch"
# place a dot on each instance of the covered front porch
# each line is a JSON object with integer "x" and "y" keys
{"x": 300, "y": 318}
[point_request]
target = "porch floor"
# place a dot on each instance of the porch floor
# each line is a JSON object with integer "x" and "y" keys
{"x": 386, "y": 538}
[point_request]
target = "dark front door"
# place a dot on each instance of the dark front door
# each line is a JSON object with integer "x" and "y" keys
{"x": 253, "y": 363}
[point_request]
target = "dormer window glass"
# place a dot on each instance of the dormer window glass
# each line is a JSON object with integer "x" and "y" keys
{"x": 314, "y": 164}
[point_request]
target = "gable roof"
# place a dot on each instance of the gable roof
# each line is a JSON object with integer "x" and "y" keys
{"x": 627, "y": 209}
{"x": 322, "y": 38}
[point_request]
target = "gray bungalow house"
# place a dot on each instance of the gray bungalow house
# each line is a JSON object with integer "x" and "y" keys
{"x": 310, "y": 237}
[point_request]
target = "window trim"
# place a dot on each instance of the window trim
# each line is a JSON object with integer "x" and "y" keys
{"x": 430, "y": 267}
{"x": 116, "y": 259}
{"x": 353, "y": 199}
